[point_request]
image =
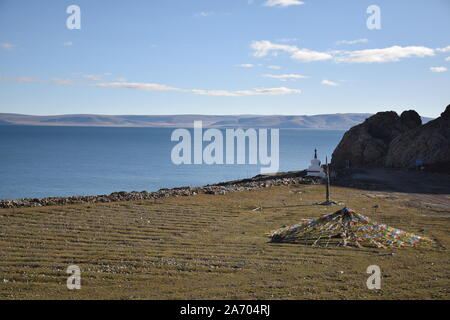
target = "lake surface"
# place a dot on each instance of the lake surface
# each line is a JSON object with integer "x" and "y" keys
{"x": 38, "y": 162}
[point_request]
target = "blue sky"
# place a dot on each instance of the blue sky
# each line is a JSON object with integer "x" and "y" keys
{"x": 224, "y": 57}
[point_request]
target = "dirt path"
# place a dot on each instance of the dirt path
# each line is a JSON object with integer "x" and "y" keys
{"x": 429, "y": 188}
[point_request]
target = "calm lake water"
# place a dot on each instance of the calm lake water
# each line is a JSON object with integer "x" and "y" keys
{"x": 63, "y": 161}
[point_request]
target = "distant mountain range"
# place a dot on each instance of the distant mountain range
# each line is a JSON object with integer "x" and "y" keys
{"x": 339, "y": 121}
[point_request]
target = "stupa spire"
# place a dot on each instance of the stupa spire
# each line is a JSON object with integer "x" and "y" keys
{"x": 315, "y": 169}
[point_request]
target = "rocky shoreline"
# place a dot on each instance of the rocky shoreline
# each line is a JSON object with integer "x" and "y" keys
{"x": 257, "y": 182}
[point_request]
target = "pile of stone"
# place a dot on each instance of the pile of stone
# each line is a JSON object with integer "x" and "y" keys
{"x": 266, "y": 181}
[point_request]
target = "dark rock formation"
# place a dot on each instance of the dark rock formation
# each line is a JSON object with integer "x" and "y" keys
{"x": 367, "y": 144}
{"x": 411, "y": 119}
{"x": 429, "y": 144}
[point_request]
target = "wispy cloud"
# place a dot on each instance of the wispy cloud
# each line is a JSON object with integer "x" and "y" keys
{"x": 284, "y": 77}
{"x": 364, "y": 40}
{"x": 66, "y": 82}
{"x": 446, "y": 49}
{"x": 245, "y": 65}
{"x": 391, "y": 54}
{"x": 306, "y": 55}
{"x": 241, "y": 93}
{"x": 159, "y": 87}
{"x": 264, "y": 48}
{"x": 22, "y": 79}
{"x": 288, "y": 39}
{"x": 93, "y": 77}
{"x": 216, "y": 93}
{"x": 67, "y": 43}
{"x": 282, "y": 3}
{"x": 273, "y": 67}
{"x": 329, "y": 83}
{"x": 438, "y": 69}
{"x": 6, "y": 45}
{"x": 38, "y": 80}
{"x": 204, "y": 14}
{"x": 136, "y": 85}
{"x": 447, "y": 59}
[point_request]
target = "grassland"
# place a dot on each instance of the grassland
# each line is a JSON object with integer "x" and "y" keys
{"x": 214, "y": 247}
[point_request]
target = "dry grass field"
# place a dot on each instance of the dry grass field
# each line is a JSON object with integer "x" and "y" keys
{"x": 214, "y": 247}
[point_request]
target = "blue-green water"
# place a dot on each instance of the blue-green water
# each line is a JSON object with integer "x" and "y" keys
{"x": 63, "y": 161}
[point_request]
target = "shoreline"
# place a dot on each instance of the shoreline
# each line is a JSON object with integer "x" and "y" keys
{"x": 421, "y": 184}
{"x": 256, "y": 182}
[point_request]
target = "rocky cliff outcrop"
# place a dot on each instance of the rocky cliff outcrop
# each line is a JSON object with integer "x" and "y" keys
{"x": 367, "y": 144}
{"x": 429, "y": 143}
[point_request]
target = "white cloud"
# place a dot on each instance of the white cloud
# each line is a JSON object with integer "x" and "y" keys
{"x": 329, "y": 83}
{"x": 282, "y": 3}
{"x": 136, "y": 85}
{"x": 26, "y": 79}
{"x": 446, "y": 49}
{"x": 254, "y": 92}
{"x": 121, "y": 83}
{"x": 217, "y": 93}
{"x": 38, "y": 80}
{"x": 245, "y": 65}
{"x": 391, "y": 54}
{"x": 65, "y": 82}
{"x": 284, "y": 77}
{"x": 22, "y": 79}
{"x": 93, "y": 77}
{"x": 264, "y": 47}
{"x": 204, "y": 14}
{"x": 274, "y": 67}
{"x": 364, "y": 40}
{"x": 288, "y": 40}
{"x": 306, "y": 55}
{"x": 6, "y": 45}
{"x": 438, "y": 69}
{"x": 67, "y": 43}
{"x": 447, "y": 59}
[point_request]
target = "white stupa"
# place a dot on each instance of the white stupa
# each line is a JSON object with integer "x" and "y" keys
{"x": 315, "y": 169}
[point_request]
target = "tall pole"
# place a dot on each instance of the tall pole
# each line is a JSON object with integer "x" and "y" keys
{"x": 328, "y": 181}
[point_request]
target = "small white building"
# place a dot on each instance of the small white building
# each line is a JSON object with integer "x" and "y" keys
{"x": 315, "y": 169}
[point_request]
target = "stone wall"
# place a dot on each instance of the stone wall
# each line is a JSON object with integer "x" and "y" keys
{"x": 261, "y": 181}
